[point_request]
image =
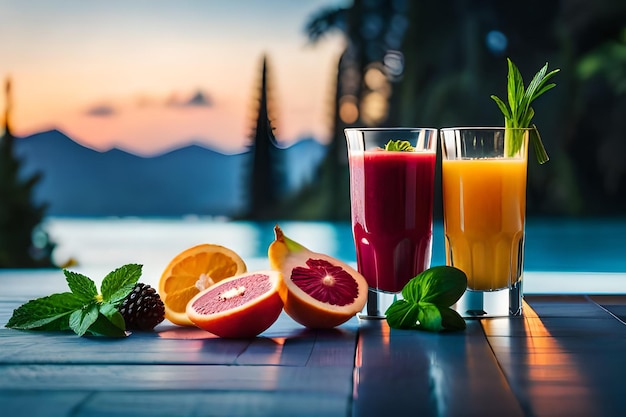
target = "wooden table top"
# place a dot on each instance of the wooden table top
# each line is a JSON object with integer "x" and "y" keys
{"x": 565, "y": 357}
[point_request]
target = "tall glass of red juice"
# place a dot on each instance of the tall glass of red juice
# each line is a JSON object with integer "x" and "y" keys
{"x": 391, "y": 196}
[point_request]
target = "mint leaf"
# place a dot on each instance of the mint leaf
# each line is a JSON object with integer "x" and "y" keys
{"x": 45, "y": 311}
{"x": 104, "y": 327}
{"x": 117, "y": 284}
{"x": 81, "y": 320}
{"x": 83, "y": 310}
{"x": 60, "y": 324}
{"x": 83, "y": 287}
{"x": 402, "y": 314}
{"x": 399, "y": 146}
{"x": 113, "y": 315}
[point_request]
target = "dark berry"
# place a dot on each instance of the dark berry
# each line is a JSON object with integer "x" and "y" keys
{"x": 142, "y": 309}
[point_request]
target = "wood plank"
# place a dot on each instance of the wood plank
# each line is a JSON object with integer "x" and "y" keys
{"x": 430, "y": 374}
{"x": 33, "y": 403}
{"x": 141, "y": 347}
{"x": 615, "y": 305}
{"x": 168, "y": 403}
{"x": 563, "y": 358}
{"x": 175, "y": 377}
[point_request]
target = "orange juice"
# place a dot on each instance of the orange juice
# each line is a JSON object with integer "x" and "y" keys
{"x": 484, "y": 204}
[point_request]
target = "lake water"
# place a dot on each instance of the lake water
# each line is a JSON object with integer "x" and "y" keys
{"x": 561, "y": 255}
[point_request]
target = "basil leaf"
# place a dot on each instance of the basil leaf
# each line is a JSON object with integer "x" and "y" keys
{"x": 83, "y": 287}
{"x": 117, "y": 284}
{"x": 451, "y": 320}
{"x": 442, "y": 285}
{"x": 402, "y": 314}
{"x": 81, "y": 320}
{"x": 104, "y": 327}
{"x": 435, "y": 318}
{"x": 42, "y": 312}
{"x": 412, "y": 290}
{"x": 429, "y": 317}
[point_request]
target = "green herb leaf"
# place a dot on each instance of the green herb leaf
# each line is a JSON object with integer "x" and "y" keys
{"x": 412, "y": 290}
{"x": 436, "y": 318}
{"x": 83, "y": 287}
{"x": 442, "y": 285}
{"x": 403, "y": 314}
{"x": 83, "y": 310}
{"x": 426, "y": 301}
{"x": 117, "y": 284}
{"x": 105, "y": 327}
{"x": 81, "y": 320}
{"x": 45, "y": 311}
{"x": 113, "y": 315}
{"x": 540, "y": 151}
{"x": 399, "y": 146}
{"x": 519, "y": 112}
{"x": 429, "y": 318}
{"x": 451, "y": 319}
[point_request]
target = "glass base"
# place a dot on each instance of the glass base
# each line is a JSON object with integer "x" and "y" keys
{"x": 377, "y": 303}
{"x": 506, "y": 302}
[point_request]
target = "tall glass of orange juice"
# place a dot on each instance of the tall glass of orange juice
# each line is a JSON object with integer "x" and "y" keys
{"x": 484, "y": 203}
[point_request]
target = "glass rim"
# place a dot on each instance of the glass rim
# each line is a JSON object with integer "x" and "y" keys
{"x": 388, "y": 129}
{"x": 486, "y": 128}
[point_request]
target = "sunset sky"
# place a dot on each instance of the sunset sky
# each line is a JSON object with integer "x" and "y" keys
{"x": 151, "y": 75}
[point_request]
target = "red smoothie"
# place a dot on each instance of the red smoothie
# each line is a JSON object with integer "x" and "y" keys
{"x": 392, "y": 215}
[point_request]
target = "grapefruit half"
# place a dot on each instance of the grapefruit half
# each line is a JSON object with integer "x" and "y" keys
{"x": 242, "y": 306}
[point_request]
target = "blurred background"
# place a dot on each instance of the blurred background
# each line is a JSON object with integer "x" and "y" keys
{"x": 235, "y": 110}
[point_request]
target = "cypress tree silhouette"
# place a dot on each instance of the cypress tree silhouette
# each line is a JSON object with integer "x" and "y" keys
{"x": 23, "y": 243}
{"x": 266, "y": 181}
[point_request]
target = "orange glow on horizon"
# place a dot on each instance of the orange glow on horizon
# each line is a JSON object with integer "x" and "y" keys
{"x": 129, "y": 75}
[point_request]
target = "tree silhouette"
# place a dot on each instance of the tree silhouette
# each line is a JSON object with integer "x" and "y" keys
{"x": 266, "y": 183}
{"x": 403, "y": 67}
{"x": 23, "y": 243}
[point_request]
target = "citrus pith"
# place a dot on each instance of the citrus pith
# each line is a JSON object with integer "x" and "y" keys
{"x": 242, "y": 306}
{"x": 191, "y": 271}
{"x": 318, "y": 291}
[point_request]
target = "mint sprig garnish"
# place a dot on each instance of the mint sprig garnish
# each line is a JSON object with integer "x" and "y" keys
{"x": 83, "y": 310}
{"x": 519, "y": 113}
{"x": 427, "y": 299}
{"x": 399, "y": 146}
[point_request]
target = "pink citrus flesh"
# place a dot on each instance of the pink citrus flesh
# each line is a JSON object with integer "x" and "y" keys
{"x": 243, "y": 306}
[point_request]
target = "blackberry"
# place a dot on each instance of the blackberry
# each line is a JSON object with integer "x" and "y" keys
{"x": 142, "y": 309}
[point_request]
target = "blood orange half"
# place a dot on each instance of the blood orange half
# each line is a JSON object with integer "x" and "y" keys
{"x": 242, "y": 306}
{"x": 318, "y": 291}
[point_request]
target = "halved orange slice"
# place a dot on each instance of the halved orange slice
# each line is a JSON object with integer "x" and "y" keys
{"x": 191, "y": 271}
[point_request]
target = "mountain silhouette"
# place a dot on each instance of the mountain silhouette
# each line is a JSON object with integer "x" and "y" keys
{"x": 80, "y": 181}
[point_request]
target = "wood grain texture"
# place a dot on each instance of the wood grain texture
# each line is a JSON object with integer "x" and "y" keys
{"x": 565, "y": 357}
